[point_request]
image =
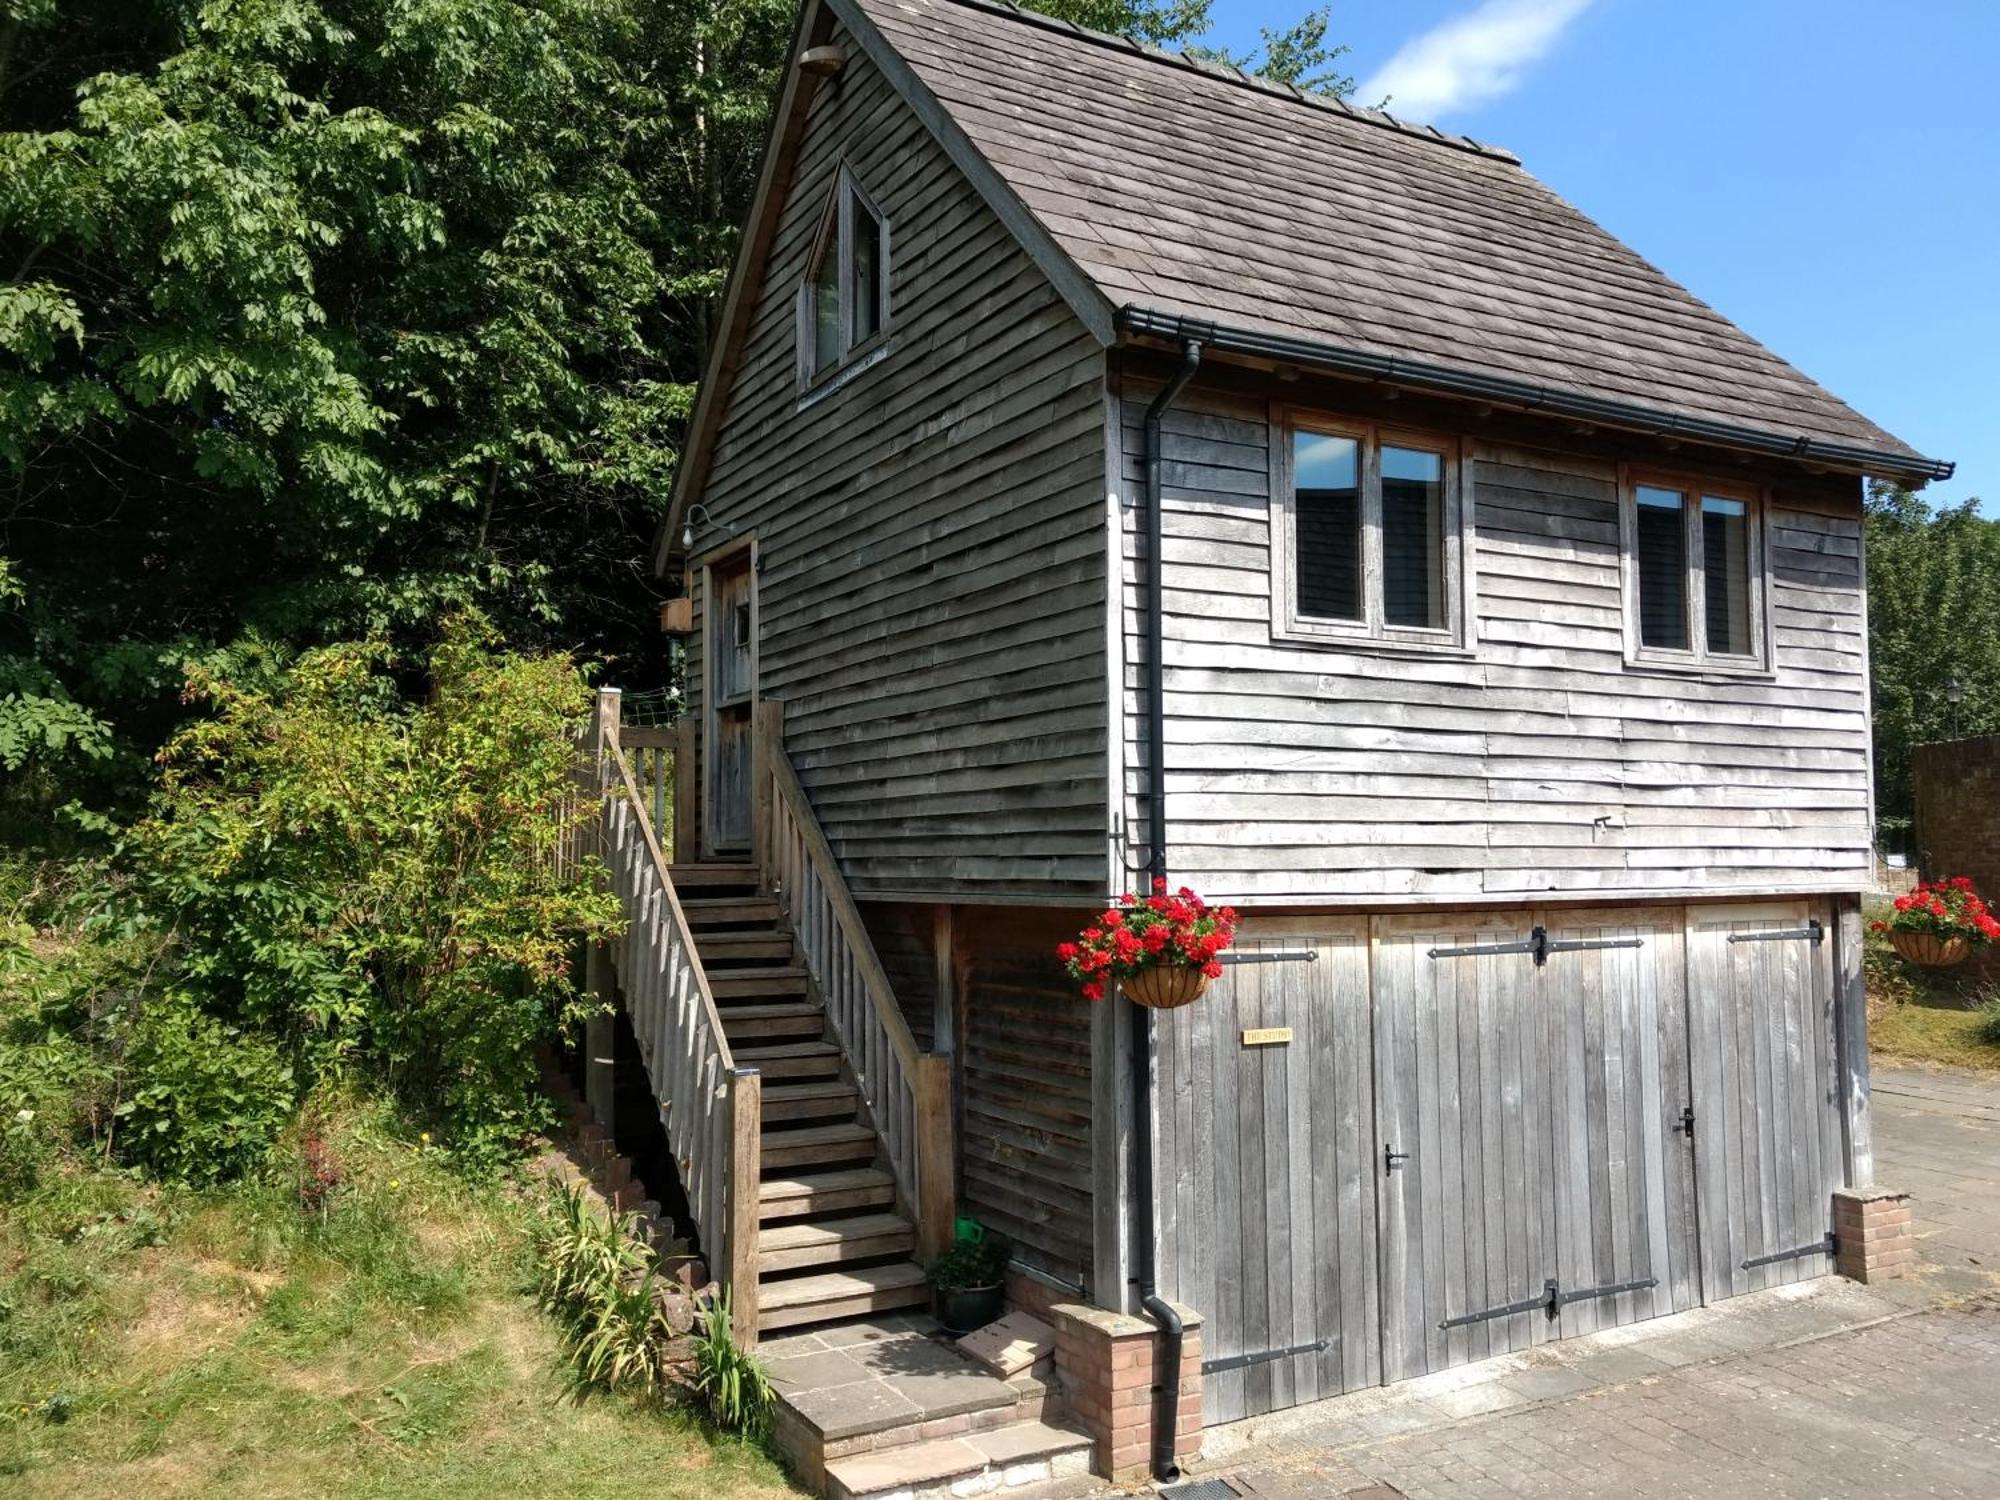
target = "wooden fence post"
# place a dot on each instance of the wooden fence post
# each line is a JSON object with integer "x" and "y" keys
{"x": 937, "y": 1155}
{"x": 746, "y": 1104}
{"x": 1850, "y": 1022}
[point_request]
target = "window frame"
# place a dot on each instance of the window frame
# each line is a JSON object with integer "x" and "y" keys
{"x": 1372, "y": 631}
{"x": 836, "y": 233}
{"x": 1694, "y": 488}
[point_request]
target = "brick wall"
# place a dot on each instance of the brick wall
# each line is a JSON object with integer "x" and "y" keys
{"x": 1958, "y": 810}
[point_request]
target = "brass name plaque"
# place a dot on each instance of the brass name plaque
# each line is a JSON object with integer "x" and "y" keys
{"x": 1266, "y": 1036}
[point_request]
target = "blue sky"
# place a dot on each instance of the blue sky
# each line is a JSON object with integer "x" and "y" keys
{"x": 1824, "y": 172}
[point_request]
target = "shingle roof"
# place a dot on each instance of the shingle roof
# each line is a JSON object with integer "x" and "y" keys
{"x": 1192, "y": 191}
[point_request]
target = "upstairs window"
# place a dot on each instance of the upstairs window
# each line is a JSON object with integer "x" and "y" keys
{"x": 844, "y": 301}
{"x": 1367, "y": 542}
{"x": 1693, "y": 574}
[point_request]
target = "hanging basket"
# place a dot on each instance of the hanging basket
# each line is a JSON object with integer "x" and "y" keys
{"x": 1165, "y": 986}
{"x": 1928, "y": 949}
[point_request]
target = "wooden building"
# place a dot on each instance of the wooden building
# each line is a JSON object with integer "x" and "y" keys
{"x": 1113, "y": 464}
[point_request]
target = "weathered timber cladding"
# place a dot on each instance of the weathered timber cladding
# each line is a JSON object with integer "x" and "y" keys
{"x": 1024, "y": 1088}
{"x": 903, "y": 934}
{"x": 1539, "y": 762}
{"x": 933, "y": 561}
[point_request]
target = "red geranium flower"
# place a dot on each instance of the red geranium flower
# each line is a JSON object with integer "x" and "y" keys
{"x": 1138, "y": 933}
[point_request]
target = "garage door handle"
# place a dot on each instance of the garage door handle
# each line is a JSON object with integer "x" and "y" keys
{"x": 1685, "y": 1125}
{"x": 1392, "y": 1158}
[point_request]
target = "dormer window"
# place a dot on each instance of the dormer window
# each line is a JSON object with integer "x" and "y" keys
{"x": 844, "y": 301}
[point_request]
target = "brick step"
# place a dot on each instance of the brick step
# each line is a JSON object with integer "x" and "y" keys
{"x": 790, "y": 1060}
{"x": 808, "y": 1101}
{"x": 840, "y": 1294}
{"x": 797, "y": 1020}
{"x": 1021, "y": 1453}
{"x": 730, "y": 911}
{"x": 824, "y": 1192}
{"x": 756, "y": 984}
{"x": 794, "y": 1247}
{"x": 818, "y": 1145}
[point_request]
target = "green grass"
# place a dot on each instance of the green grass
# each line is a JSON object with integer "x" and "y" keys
{"x": 227, "y": 1344}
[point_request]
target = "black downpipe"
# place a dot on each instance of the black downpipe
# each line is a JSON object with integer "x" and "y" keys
{"x": 1167, "y": 1384}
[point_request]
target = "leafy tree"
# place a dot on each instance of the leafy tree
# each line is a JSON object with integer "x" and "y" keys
{"x": 1933, "y": 615}
{"x": 373, "y": 881}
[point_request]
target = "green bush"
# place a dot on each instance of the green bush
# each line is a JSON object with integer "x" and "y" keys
{"x": 1988, "y": 1030}
{"x": 371, "y": 881}
{"x": 204, "y": 1100}
{"x": 728, "y": 1380}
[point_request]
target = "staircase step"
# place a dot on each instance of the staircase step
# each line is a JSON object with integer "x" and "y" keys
{"x": 730, "y": 911}
{"x": 696, "y": 878}
{"x": 722, "y": 950}
{"x": 839, "y": 1294}
{"x": 1021, "y": 1453}
{"x": 793, "y": 1247}
{"x": 791, "y": 1059}
{"x": 794, "y": 1020}
{"x": 824, "y": 1192}
{"x": 817, "y": 1145}
{"x": 756, "y": 984}
{"x": 808, "y": 1101}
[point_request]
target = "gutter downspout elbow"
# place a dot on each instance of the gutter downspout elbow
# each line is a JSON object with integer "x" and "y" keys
{"x": 1167, "y": 1371}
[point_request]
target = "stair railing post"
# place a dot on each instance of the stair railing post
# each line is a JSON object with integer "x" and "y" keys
{"x": 686, "y": 791}
{"x": 937, "y": 1168}
{"x": 599, "y": 1036}
{"x": 767, "y": 740}
{"x": 746, "y": 1152}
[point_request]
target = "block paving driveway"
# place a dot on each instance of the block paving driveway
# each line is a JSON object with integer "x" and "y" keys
{"x": 1822, "y": 1390}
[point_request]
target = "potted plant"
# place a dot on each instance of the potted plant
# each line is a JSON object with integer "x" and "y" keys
{"x": 1940, "y": 923}
{"x": 1161, "y": 951}
{"x": 969, "y": 1279}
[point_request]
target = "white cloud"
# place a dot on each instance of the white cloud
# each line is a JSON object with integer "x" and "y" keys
{"x": 1470, "y": 59}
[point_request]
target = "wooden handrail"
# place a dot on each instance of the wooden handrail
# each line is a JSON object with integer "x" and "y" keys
{"x": 907, "y": 1091}
{"x": 708, "y": 1104}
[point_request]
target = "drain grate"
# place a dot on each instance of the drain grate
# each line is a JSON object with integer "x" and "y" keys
{"x": 1199, "y": 1489}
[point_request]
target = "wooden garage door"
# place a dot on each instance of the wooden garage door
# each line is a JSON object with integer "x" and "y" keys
{"x": 1266, "y": 1153}
{"x": 1767, "y": 1123}
{"x": 1527, "y": 1114}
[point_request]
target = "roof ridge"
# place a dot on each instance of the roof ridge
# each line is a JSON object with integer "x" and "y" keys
{"x": 1229, "y": 73}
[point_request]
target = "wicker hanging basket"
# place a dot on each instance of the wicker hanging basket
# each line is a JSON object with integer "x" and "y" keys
{"x": 1165, "y": 986}
{"x": 1928, "y": 949}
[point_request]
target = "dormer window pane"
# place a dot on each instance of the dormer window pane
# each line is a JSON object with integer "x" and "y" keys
{"x": 828, "y": 344}
{"x": 867, "y": 290}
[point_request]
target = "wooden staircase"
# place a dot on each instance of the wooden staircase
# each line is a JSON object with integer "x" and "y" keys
{"x": 832, "y": 1239}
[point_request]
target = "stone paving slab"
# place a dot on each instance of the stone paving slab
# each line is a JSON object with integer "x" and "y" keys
{"x": 865, "y": 1377}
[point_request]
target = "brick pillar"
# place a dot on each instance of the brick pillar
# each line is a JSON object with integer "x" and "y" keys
{"x": 1108, "y": 1364}
{"x": 1873, "y": 1234}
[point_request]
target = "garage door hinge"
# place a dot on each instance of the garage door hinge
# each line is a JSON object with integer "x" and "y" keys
{"x": 1825, "y": 1247}
{"x": 1540, "y": 944}
{"x": 1552, "y": 1301}
{"x": 1241, "y": 1361}
{"x": 1812, "y": 932}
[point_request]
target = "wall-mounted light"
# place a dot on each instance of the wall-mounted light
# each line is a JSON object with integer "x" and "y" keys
{"x": 688, "y": 527}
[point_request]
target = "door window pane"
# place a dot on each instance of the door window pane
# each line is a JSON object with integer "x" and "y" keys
{"x": 1725, "y": 558}
{"x": 1662, "y": 538}
{"x": 1326, "y": 491}
{"x": 1413, "y": 538}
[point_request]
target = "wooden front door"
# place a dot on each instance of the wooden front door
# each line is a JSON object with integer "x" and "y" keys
{"x": 730, "y": 634}
{"x": 1766, "y": 1105}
